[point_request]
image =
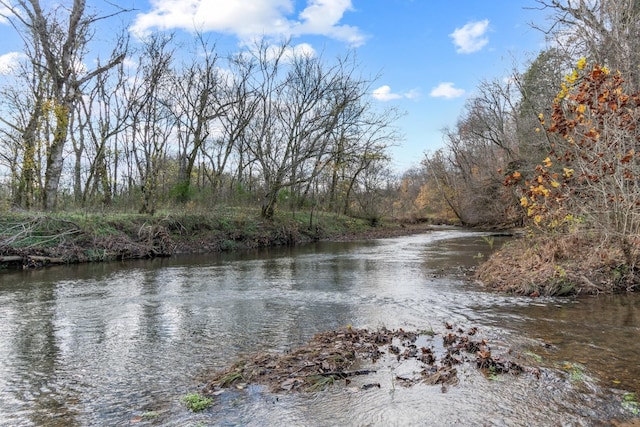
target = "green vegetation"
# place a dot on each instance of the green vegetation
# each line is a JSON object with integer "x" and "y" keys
{"x": 231, "y": 378}
{"x": 630, "y": 403}
{"x": 39, "y": 239}
{"x": 428, "y": 332}
{"x": 489, "y": 240}
{"x": 196, "y": 402}
{"x": 536, "y": 357}
{"x": 150, "y": 415}
{"x": 320, "y": 382}
{"x": 492, "y": 374}
{"x": 575, "y": 370}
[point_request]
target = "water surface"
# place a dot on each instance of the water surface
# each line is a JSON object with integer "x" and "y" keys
{"x": 121, "y": 343}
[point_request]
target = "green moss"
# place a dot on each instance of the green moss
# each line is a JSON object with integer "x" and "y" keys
{"x": 196, "y": 402}
{"x": 630, "y": 403}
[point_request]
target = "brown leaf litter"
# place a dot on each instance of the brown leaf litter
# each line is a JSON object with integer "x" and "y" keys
{"x": 334, "y": 355}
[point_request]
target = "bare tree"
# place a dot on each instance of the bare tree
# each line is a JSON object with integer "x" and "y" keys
{"x": 104, "y": 110}
{"x": 197, "y": 105}
{"x": 150, "y": 120}
{"x": 60, "y": 39}
{"x": 299, "y": 108}
{"x": 479, "y": 148}
{"x": 242, "y": 102}
{"x": 363, "y": 154}
{"x": 23, "y": 122}
{"x": 605, "y": 31}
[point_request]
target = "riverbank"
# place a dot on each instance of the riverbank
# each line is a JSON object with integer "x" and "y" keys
{"x": 36, "y": 240}
{"x": 577, "y": 263}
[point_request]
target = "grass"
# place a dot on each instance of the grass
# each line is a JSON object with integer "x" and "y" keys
{"x": 196, "y": 402}
{"x": 320, "y": 382}
{"x": 534, "y": 356}
{"x": 630, "y": 403}
{"x": 564, "y": 264}
{"x": 231, "y": 378}
{"x": 82, "y": 236}
{"x": 575, "y": 370}
{"x": 150, "y": 415}
{"x": 428, "y": 332}
{"x": 492, "y": 374}
{"x": 489, "y": 240}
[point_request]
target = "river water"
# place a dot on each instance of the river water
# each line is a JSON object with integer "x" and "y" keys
{"x": 122, "y": 343}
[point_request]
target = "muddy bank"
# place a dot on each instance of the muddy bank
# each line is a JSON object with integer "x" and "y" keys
{"x": 38, "y": 241}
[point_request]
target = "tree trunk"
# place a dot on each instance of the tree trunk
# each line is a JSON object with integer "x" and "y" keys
{"x": 269, "y": 204}
{"x": 25, "y": 195}
{"x": 55, "y": 158}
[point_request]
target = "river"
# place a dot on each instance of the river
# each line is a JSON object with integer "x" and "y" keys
{"x": 121, "y": 343}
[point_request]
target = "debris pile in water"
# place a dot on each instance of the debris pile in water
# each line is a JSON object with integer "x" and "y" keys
{"x": 341, "y": 354}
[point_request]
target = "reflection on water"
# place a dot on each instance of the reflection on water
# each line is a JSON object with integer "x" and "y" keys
{"x": 108, "y": 344}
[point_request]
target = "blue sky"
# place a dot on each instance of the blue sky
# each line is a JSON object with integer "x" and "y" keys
{"x": 430, "y": 54}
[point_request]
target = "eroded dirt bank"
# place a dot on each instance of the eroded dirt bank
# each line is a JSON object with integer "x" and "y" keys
{"x": 37, "y": 241}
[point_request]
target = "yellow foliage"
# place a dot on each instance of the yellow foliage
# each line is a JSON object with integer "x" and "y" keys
{"x": 425, "y": 195}
{"x": 540, "y": 190}
{"x": 571, "y": 78}
{"x": 564, "y": 91}
{"x": 582, "y": 62}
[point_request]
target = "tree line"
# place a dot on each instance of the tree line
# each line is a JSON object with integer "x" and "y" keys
{"x": 556, "y": 145}
{"x": 163, "y": 124}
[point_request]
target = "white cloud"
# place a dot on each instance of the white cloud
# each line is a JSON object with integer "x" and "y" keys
{"x": 4, "y": 13}
{"x": 384, "y": 94}
{"x": 248, "y": 19}
{"x": 412, "y": 94}
{"x": 471, "y": 38}
{"x": 446, "y": 90}
{"x": 273, "y": 51}
{"x": 9, "y": 62}
{"x": 323, "y": 16}
{"x": 299, "y": 50}
{"x": 302, "y": 49}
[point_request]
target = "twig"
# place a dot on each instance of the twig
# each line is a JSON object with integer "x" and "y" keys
{"x": 345, "y": 374}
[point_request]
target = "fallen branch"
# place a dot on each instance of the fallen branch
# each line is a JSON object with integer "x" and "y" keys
{"x": 45, "y": 259}
{"x": 345, "y": 374}
{"x": 591, "y": 284}
{"x": 11, "y": 258}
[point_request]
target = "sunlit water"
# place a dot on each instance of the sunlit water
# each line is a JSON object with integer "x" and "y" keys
{"x": 121, "y": 344}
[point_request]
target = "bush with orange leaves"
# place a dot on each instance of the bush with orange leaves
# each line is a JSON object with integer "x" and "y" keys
{"x": 586, "y": 193}
{"x": 592, "y": 173}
